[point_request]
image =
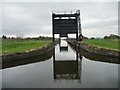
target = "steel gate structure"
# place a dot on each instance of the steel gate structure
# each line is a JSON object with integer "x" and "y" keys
{"x": 64, "y": 24}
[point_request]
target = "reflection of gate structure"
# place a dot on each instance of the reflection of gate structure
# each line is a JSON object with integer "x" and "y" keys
{"x": 64, "y": 24}
{"x": 67, "y": 69}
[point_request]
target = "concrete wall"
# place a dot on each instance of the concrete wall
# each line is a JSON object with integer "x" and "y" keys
{"x": 28, "y": 54}
{"x": 94, "y": 50}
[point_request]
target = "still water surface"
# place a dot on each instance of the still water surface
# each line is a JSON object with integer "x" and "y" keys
{"x": 65, "y": 69}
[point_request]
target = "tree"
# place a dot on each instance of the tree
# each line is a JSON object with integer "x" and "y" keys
{"x": 4, "y": 37}
{"x": 92, "y": 38}
{"x": 105, "y": 37}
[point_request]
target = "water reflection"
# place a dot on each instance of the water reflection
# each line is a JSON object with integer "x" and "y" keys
{"x": 63, "y": 70}
{"x": 67, "y": 69}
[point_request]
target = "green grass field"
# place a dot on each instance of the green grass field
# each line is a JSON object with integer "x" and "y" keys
{"x": 14, "y": 46}
{"x": 8, "y": 46}
{"x": 105, "y": 43}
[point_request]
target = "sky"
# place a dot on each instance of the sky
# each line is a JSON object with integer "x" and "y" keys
{"x": 32, "y": 19}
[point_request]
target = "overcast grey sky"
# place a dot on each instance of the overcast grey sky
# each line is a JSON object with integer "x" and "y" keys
{"x": 34, "y": 18}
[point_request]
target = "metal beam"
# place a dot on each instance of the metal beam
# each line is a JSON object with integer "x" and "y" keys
{"x": 65, "y": 15}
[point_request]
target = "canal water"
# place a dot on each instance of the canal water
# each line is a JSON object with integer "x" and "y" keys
{"x": 65, "y": 69}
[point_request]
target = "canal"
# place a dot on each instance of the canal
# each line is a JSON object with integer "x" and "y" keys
{"x": 64, "y": 69}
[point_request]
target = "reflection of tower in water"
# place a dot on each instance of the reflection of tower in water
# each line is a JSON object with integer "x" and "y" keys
{"x": 80, "y": 66}
{"x": 67, "y": 69}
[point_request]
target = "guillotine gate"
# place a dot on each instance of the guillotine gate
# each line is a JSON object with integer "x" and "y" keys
{"x": 64, "y": 24}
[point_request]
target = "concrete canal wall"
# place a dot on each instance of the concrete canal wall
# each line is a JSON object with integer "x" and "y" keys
{"x": 94, "y": 50}
{"x": 24, "y": 61}
{"x": 28, "y": 54}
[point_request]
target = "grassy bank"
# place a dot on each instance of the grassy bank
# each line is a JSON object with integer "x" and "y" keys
{"x": 105, "y": 43}
{"x": 17, "y": 45}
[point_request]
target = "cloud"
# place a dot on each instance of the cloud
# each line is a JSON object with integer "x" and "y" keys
{"x": 34, "y": 19}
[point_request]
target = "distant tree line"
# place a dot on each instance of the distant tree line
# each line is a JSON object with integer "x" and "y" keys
{"x": 28, "y": 38}
{"x": 112, "y": 36}
{"x": 39, "y": 38}
{"x": 4, "y": 37}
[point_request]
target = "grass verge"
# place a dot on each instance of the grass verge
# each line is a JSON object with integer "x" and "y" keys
{"x": 15, "y": 46}
{"x": 104, "y": 43}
